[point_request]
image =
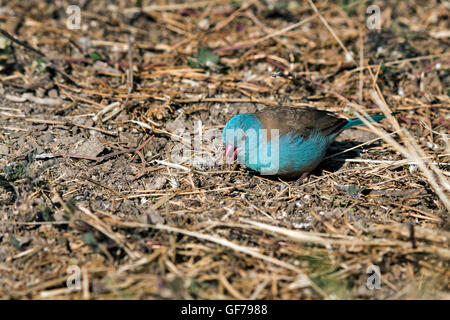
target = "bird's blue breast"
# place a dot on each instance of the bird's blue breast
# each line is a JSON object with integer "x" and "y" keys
{"x": 288, "y": 155}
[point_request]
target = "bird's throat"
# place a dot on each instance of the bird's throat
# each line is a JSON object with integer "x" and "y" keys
{"x": 231, "y": 152}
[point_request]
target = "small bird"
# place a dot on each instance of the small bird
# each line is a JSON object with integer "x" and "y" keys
{"x": 288, "y": 142}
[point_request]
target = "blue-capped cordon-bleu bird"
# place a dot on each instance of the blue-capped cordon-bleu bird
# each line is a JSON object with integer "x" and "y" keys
{"x": 288, "y": 142}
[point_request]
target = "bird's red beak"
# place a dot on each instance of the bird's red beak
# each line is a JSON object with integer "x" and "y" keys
{"x": 231, "y": 152}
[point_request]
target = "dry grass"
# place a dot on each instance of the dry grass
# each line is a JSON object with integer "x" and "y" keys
{"x": 90, "y": 120}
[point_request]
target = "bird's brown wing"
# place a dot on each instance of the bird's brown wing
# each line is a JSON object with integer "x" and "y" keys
{"x": 302, "y": 121}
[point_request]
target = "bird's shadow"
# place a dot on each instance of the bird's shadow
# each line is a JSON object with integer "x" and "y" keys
{"x": 333, "y": 164}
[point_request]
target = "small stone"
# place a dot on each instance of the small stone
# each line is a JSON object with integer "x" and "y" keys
{"x": 156, "y": 183}
{"x": 4, "y": 149}
{"x": 204, "y": 24}
{"x": 177, "y": 126}
{"x": 290, "y": 208}
{"x": 90, "y": 148}
{"x": 153, "y": 217}
{"x": 53, "y": 93}
{"x": 105, "y": 68}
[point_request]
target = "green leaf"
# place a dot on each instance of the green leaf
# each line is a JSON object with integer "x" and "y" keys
{"x": 5, "y": 52}
{"x": 195, "y": 286}
{"x": 40, "y": 62}
{"x": 96, "y": 56}
{"x": 89, "y": 238}
{"x": 15, "y": 170}
{"x": 354, "y": 191}
{"x": 349, "y": 6}
{"x": 206, "y": 57}
{"x": 236, "y": 4}
{"x": 16, "y": 243}
{"x": 340, "y": 202}
{"x": 31, "y": 157}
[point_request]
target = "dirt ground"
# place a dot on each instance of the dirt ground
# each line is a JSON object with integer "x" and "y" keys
{"x": 106, "y": 194}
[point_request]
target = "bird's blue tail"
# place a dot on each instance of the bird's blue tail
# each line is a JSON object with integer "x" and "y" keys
{"x": 357, "y": 122}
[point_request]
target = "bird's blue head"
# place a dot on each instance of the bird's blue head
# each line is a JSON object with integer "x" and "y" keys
{"x": 235, "y": 135}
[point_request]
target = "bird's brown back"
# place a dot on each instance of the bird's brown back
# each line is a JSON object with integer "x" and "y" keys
{"x": 301, "y": 121}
